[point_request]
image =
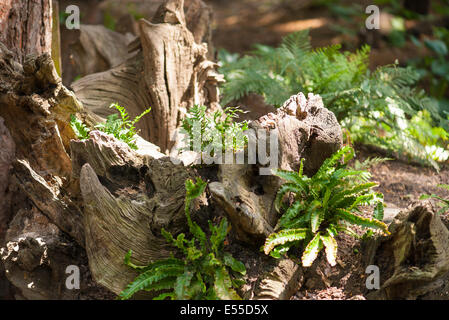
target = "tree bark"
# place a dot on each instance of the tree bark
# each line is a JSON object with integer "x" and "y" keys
{"x": 25, "y": 27}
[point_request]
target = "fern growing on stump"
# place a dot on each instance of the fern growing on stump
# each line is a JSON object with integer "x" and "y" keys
{"x": 205, "y": 273}
{"x": 321, "y": 207}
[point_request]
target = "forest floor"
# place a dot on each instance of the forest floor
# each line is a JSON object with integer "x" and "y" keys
{"x": 402, "y": 184}
{"x": 238, "y": 25}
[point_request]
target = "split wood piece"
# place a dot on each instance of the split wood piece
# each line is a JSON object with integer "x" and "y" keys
{"x": 281, "y": 282}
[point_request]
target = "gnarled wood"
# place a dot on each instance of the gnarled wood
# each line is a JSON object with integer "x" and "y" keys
{"x": 127, "y": 199}
{"x": 280, "y": 282}
{"x": 305, "y": 129}
{"x": 414, "y": 260}
{"x": 166, "y": 71}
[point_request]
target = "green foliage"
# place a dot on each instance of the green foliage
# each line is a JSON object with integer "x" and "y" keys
{"x": 206, "y": 272}
{"x": 376, "y": 107}
{"x": 216, "y": 131}
{"x": 322, "y": 206}
{"x": 81, "y": 131}
{"x": 121, "y": 128}
{"x": 444, "y": 202}
{"x": 434, "y": 68}
{"x": 369, "y": 162}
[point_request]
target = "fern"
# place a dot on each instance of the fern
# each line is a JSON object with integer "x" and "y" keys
{"x": 322, "y": 206}
{"x": 121, "y": 128}
{"x": 206, "y": 272}
{"x": 80, "y": 130}
{"x": 443, "y": 202}
{"x": 375, "y": 107}
{"x": 213, "y": 132}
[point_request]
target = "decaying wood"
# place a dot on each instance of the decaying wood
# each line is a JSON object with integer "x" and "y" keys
{"x": 280, "y": 282}
{"x": 414, "y": 260}
{"x": 36, "y": 256}
{"x": 305, "y": 129}
{"x": 36, "y": 108}
{"x": 166, "y": 71}
{"x": 136, "y": 198}
{"x": 25, "y": 27}
{"x": 97, "y": 49}
{"x": 198, "y": 16}
{"x": 7, "y": 152}
{"x": 56, "y": 38}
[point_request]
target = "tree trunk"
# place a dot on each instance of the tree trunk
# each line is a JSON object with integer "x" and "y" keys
{"x": 25, "y": 27}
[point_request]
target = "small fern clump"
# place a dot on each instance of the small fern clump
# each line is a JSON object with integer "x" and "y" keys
{"x": 444, "y": 202}
{"x": 216, "y": 131}
{"x": 121, "y": 128}
{"x": 321, "y": 207}
{"x": 205, "y": 273}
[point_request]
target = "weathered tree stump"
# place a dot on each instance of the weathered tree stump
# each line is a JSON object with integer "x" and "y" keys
{"x": 414, "y": 260}
{"x": 165, "y": 70}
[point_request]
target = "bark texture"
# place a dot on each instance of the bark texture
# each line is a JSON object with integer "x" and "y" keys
{"x": 7, "y": 152}
{"x": 25, "y": 27}
{"x": 45, "y": 207}
{"x": 127, "y": 200}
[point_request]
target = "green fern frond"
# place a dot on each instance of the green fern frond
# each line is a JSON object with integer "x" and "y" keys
{"x": 206, "y": 272}
{"x": 311, "y": 251}
{"x": 364, "y": 222}
{"x": 330, "y": 247}
{"x": 283, "y": 190}
{"x": 283, "y": 237}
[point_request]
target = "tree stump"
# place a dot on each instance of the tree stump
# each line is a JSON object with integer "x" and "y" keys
{"x": 166, "y": 70}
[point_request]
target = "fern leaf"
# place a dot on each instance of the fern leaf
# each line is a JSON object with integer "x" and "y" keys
{"x": 330, "y": 247}
{"x": 164, "y": 296}
{"x": 282, "y": 237}
{"x": 145, "y": 281}
{"x": 292, "y": 212}
{"x": 337, "y": 198}
{"x": 223, "y": 286}
{"x": 344, "y": 152}
{"x": 312, "y": 250}
{"x": 194, "y": 190}
{"x": 182, "y": 285}
{"x": 233, "y": 263}
{"x": 317, "y": 216}
{"x": 378, "y": 213}
{"x": 283, "y": 190}
{"x": 364, "y": 222}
